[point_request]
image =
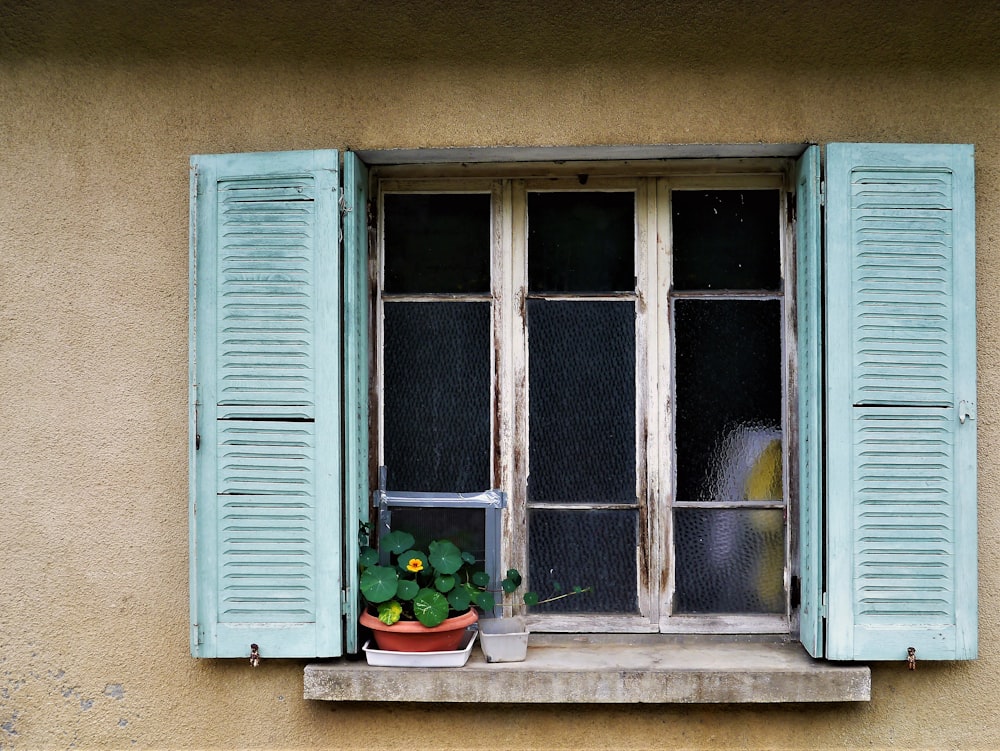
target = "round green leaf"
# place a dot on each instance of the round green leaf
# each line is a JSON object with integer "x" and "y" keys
{"x": 459, "y": 599}
{"x": 407, "y": 589}
{"x": 430, "y": 607}
{"x": 484, "y": 600}
{"x": 378, "y": 583}
{"x": 468, "y": 558}
{"x": 412, "y": 562}
{"x": 368, "y": 557}
{"x": 445, "y": 556}
{"x": 396, "y": 541}
{"x": 531, "y": 598}
{"x": 389, "y": 612}
{"x": 444, "y": 583}
{"x": 481, "y": 579}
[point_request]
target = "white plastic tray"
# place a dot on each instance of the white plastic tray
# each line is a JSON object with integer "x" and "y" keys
{"x": 455, "y": 659}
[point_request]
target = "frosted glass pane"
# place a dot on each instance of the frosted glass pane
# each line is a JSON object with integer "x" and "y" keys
{"x": 728, "y": 399}
{"x": 582, "y": 401}
{"x": 729, "y": 560}
{"x": 584, "y": 548}
{"x": 581, "y": 241}
{"x": 726, "y": 239}
{"x": 437, "y": 242}
{"x": 437, "y": 396}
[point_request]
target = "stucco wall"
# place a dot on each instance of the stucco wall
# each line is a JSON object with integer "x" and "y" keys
{"x": 101, "y": 104}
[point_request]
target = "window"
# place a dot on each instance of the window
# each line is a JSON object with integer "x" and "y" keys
{"x": 858, "y": 476}
{"x": 627, "y": 393}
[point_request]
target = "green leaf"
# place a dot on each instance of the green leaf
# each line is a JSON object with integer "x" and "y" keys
{"x": 515, "y": 576}
{"x": 509, "y": 585}
{"x": 378, "y": 583}
{"x": 430, "y": 607}
{"x": 468, "y": 558}
{"x": 407, "y": 559}
{"x": 389, "y": 612}
{"x": 481, "y": 579}
{"x": 459, "y": 599}
{"x": 484, "y": 600}
{"x": 444, "y": 583}
{"x": 531, "y": 598}
{"x": 556, "y": 587}
{"x": 407, "y": 589}
{"x": 445, "y": 556}
{"x": 368, "y": 557}
{"x": 396, "y": 541}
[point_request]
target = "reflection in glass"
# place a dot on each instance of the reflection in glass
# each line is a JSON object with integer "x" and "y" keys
{"x": 584, "y": 548}
{"x": 437, "y": 242}
{"x": 729, "y": 560}
{"x": 581, "y": 241}
{"x": 728, "y": 396}
{"x": 726, "y": 239}
{"x": 437, "y": 396}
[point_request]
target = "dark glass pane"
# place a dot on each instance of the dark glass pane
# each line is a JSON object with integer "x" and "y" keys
{"x": 596, "y": 549}
{"x": 728, "y": 405}
{"x": 729, "y": 560}
{"x": 437, "y": 242}
{"x": 437, "y": 396}
{"x": 581, "y": 422}
{"x": 726, "y": 239}
{"x": 581, "y": 242}
{"x": 466, "y": 527}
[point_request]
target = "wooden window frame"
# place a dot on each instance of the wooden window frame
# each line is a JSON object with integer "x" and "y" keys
{"x": 652, "y": 182}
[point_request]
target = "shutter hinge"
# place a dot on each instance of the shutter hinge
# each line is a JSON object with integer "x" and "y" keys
{"x": 344, "y": 597}
{"x": 823, "y": 606}
{"x": 966, "y": 411}
{"x": 822, "y": 192}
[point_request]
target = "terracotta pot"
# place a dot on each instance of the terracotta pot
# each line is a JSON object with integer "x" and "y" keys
{"x": 411, "y": 636}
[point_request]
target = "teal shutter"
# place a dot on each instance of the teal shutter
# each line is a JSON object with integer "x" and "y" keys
{"x": 355, "y": 379}
{"x": 809, "y": 353}
{"x": 266, "y": 430}
{"x": 901, "y": 390}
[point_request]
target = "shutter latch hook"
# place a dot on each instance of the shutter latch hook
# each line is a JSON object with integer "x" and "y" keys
{"x": 254, "y": 655}
{"x": 911, "y": 658}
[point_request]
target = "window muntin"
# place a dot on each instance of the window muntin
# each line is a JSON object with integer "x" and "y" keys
{"x": 538, "y": 519}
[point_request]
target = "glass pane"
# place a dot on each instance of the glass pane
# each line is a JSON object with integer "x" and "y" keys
{"x": 729, "y": 560}
{"x": 595, "y": 549}
{"x": 437, "y": 242}
{"x": 437, "y": 396}
{"x": 581, "y": 242}
{"x": 581, "y": 423}
{"x": 729, "y": 402}
{"x": 726, "y": 239}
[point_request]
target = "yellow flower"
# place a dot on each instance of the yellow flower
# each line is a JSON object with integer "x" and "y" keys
{"x": 415, "y": 565}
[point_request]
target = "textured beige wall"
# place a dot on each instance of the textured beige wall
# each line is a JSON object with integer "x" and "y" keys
{"x": 101, "y": 103}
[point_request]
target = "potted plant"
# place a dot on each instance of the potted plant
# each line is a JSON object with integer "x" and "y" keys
{"x": 421, "y": 600}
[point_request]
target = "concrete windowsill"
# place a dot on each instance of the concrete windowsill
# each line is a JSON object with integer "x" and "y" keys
{"x": 607, "y": 669}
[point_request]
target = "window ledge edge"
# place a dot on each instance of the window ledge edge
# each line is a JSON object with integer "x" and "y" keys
{"x": 572, "y": 669}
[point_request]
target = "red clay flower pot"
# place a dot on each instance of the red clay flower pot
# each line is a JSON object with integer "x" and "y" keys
{"x": 411, "y": 636}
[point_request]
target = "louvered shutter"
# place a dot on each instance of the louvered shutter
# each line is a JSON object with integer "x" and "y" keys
{"x": 355, "y": 379}
{"x": 266, "y": 508}
{"x": 901, "y": 389}
{"x": 809, "y": 356}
